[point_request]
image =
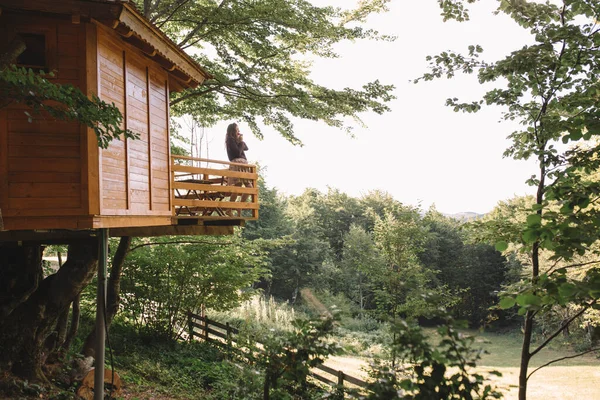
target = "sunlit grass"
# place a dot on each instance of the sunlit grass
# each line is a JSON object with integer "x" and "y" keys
{"x": 259, "y": 312}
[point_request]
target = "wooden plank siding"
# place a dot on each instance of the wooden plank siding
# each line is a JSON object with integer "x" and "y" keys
{"x": 135, "y": 173}
{"x": 41, "y": 161}
{"x": 113, "y": 164}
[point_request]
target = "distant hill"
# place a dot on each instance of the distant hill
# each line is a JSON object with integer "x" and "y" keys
{"x": 465, "y": 216}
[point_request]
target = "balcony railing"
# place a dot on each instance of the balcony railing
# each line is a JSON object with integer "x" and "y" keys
{"x": 211, "y": 189}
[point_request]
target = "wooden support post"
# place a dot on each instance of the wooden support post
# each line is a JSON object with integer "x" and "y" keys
{"x": 100, "y": 314}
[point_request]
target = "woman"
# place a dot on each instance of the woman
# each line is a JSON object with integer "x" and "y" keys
{"x": 234, "y": 141}
{"x": 236, "y": 147}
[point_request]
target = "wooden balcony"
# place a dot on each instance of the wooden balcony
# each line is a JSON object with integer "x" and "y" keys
{"x": 207, "y": 190}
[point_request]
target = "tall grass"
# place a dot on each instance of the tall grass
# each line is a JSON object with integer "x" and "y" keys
{"x": 259, "y": 313}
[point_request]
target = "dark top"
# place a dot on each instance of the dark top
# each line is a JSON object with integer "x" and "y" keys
{"x": 235, "y": 149}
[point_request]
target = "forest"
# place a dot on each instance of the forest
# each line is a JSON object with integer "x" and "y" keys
{"x": 387, "y": 275}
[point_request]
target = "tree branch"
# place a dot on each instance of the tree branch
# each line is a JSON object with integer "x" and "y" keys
{"x": 10, "y": 53}
{"x": 173, "y": 11}
{"x": 201, "y": 24}
{"x": 574, "y": 265}
{"x": 201, "y": 93}
{"x": 559, "y": 330}
{"x": 562, "y": 358}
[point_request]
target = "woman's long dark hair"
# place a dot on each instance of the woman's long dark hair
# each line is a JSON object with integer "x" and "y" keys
{"x": 231, "y": 133}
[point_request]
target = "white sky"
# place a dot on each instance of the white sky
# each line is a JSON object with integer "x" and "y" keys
{"x": 421, "y": 152}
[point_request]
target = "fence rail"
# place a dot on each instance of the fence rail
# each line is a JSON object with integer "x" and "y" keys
{"x": 224, "y": 335}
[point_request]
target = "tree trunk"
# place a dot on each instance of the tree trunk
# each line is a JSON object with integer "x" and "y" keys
{"x": 525, "y": 355}
{"x": 74, "y": 327}
{"x": 11, "y": 51}
{"x": 57, "y": 337}
{"x": 29, "y": 324}
{"x": 20, "y": 274}
{"x": 113, "y": 297}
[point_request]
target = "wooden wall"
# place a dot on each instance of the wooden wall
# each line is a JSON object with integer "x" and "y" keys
{"x": 52, "y": 173}
{"x": 41, "y": 161}
{"x": 134, "y": 173}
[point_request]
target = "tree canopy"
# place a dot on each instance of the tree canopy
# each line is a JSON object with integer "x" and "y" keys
{"x": 550, "y": 87}
{"x": 260, "y": 53}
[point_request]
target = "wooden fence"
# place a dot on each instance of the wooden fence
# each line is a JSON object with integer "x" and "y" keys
{"x": 225, "y": 335}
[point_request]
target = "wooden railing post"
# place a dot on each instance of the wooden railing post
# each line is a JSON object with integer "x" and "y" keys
{"x": 206, "y": 328}
{"x": 341, "y": 384}
{"x": 228, "y": 339}
{"x": 190, "y": 326}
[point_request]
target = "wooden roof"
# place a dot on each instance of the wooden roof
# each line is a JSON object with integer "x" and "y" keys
{"x": 134, "y": 28}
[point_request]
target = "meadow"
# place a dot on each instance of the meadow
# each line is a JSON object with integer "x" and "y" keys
{"x": 570, "y": 379}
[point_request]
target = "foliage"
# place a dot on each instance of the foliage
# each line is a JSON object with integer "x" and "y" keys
{"x": 259, "y": 53}
{"x": 338, "y": 244}
{"x": 273, "y": 223}
{"x": 550, "y": 88}
{"x": 336, "y": 213}
{"x": 296, "y": 265}
{"x": 361, "y": 261}
{"x": 259, "y": 314}
{"x": 64, "y": 102}
{"x": 431, "y": 371}
{"x": 163, "y": 281}
{"x": 287, "y": 358}
{"x": 400, "y": 283}
{"x": 472, "y": 272}
{"x": 151, "y": 365}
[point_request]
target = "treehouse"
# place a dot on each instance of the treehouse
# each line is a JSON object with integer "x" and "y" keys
{"x": 53, "y": 175}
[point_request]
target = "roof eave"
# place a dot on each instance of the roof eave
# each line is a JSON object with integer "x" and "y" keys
{"x": 156, "y": 45}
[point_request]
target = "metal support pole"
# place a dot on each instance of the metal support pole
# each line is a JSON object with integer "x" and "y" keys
{"x": 100, "y": 312}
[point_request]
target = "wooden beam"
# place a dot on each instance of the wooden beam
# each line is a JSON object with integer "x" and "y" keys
{"x": 125, "y": 126}
{"x": 92, "y": 165}
{"x": 3, "y": 162}
{"x": 149, "y": 127}
{"x": 60, "y": 236}
{"x": 172, "y": 230}
{"x": 45, "y": 236}
{"x": 76, "y": 19}
{"x": 93, "y": 9}
{"x": 171, "y": 173}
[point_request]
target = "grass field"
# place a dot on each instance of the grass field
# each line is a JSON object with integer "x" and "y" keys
{"x": 572, "y": 379}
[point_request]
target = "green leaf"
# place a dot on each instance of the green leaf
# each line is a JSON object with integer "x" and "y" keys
{"x": 501, "y": 245}
{"x": 567, "y": 290}
{"x": 529, "y": 299}
{"x": 566, "y": 209}
{"x": 530, "y": 236}
{"x": 548, "y": 244}
{"x": 506, "y": 303}
{"x": 534, "y": 220}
